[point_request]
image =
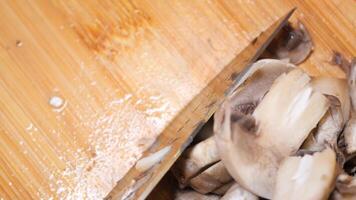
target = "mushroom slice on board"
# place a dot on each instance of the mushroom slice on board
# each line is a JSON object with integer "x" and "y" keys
{"x": 310, "y": 177}
{"x": 334, "y": 120}
{"x": 190, "y": 194}
{"x": 291, "y": 43}
{"x": 210, "y": 179}
{"x": 252, "y": 146}
{"x": 194, "y": 160}
{"x": 236, "y": 192}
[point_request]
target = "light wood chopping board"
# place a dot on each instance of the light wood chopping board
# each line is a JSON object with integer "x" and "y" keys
{"x": 87, "y": 86}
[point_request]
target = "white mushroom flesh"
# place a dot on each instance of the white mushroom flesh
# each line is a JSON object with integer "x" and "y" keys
{"x": 310, "y": 177}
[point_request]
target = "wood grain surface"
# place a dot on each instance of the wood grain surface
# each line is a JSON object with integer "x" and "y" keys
{"x": 124, "y": 70}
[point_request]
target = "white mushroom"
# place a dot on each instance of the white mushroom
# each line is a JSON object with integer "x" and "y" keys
{"x": 310, "y": 177}
{"x": 252, "y": 147}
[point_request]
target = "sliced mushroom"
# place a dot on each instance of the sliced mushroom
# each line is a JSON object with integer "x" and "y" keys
{"x": 211, "y": 179}
{"x": 332, "y": 123}
{"x": 190, "y": 194}
{"x": 255, "y": 84}
{"x": 236, "y": 192}
{"x": 291, "y": 43}
{"x": 252, "y": 147}
{"x": 350, "y": 130}
{"x": 310, "y": 177}
{"x": 194, "y": 160}
{"x": 223, "y": 189}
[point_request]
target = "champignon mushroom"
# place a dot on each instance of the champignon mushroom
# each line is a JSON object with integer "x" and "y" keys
{"x": 350, "y": 130}
{"x": 236, "y": 192}
{"x": 194, "y": 160}
{"x": 334, "y": 120}
{"x": 292, "y": 43}
{"x": 252, "y": 146}
{"x": 210, "y": 179}
{"x": 190, "y": 194}
{"x": 310, "y": 177}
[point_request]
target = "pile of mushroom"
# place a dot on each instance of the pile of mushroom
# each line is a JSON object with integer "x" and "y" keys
{"x": 280, "y": 134}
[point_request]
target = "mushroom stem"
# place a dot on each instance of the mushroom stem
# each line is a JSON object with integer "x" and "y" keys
{"x": 194, "y": 160}
{"x": 310, "y": 177}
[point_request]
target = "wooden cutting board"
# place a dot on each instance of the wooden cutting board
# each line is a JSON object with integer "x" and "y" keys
{"x": 87, "y": 86}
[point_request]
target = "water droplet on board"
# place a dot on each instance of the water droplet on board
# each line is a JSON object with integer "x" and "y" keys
{"x": 57, "y": 103}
